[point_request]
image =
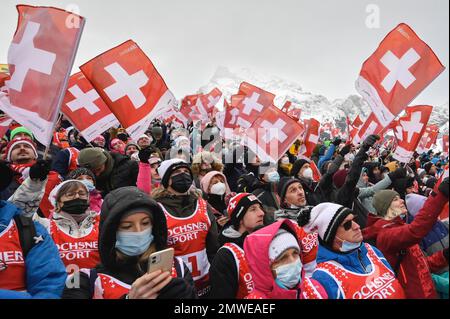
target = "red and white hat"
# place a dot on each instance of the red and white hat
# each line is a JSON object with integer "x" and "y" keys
{"x": 239, "y": 204}
{"x": 18, "y": 141}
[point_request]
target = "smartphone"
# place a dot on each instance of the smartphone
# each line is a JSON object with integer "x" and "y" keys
{"x": 162, "y": 260}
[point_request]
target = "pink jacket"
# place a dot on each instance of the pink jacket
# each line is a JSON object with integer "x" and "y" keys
{"x": 256, "y": 247}
{"x": 144, "y": 179}
{"x": 95, "y": 201}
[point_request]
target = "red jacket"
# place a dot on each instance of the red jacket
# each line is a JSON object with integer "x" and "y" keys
{"x": 395, "y": 235}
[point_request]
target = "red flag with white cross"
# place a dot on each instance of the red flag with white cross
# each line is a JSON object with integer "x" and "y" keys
{"x": 40, "y": 59}
{"x": 311, "y": 137}
{"x": 428, "y": 139}
{"x": 188, "y": 108}
{"x": 272, "y": 134}
{"x": 401, "y": 67}
{"x": 85, "y": 109}
{"x": 409, "y": 131}
{"x": 130, "y": 85}
{"x": 370, "y": 126}
{"x": 5, "y": 121}
{"x": 445, "y": 144}
{"x": 206, "y": 103}
{"x": 254, "y": 103}
{"x": 232, "y": 121}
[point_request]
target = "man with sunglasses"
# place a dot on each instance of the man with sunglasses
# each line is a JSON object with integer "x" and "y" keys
{"x": 347, "y": 267}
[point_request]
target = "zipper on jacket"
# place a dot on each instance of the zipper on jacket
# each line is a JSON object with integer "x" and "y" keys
{"x": 360, "y": 261}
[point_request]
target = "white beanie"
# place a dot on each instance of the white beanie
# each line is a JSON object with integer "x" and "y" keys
{"x": 325, "y": 218}
{"x": 55, "y": 191}
{"x": 282, "y": 241}
{"x": 167, "y": 167}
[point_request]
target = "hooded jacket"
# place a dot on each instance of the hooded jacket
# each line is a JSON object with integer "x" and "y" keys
{"x": 45, "y": 272}
{"x": 394, "y": 237}
{"x": 115, "y": 206}
{"x": 256, "y": 247}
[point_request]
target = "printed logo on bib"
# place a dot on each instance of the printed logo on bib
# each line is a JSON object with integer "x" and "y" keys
{"x": 77, "y": 250}
{"x": 185, "y": 233}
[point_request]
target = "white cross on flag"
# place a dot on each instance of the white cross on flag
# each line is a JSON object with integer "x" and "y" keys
{"x": 40, "y": 59}
{"x": 207, "y": 102}
{"x": 428, "y": 139}
{"x": 130, "y": 85}
{"x": 370, "y": 126}
{"x": 401, "y": 67}
{"x": 272, "y": 134}
{"x": 232, "y": 122}
{"x": 85, "y": 109}
{"x": 311, "y": 137}
{"x": 409, "y": 131}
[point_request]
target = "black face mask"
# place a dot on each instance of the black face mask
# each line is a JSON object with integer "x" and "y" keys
{"x": 181, "y": 182}
{"x": 75, "y": 206}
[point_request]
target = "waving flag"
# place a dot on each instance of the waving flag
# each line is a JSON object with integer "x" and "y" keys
{"x": 409, "y": 131}
{"x": 401, "y": 67}
{"x": 5, "y": 121}
{"x": 428, "y": 139}
{"x": 40, "y": 59}
{"x": 130, "y": 85}
{"x": 311, "y": 137}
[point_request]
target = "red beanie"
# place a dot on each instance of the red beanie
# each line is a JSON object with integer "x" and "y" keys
{"x": 339, "y": 178}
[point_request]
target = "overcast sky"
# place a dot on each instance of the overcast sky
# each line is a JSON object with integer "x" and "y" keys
{"x": 319, "y": 44}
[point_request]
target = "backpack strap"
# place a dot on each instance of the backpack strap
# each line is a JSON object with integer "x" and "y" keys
{"x": 27, "y": 233}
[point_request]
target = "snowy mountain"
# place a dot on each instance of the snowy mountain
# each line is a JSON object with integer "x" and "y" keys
{"x": 312, "y": 105}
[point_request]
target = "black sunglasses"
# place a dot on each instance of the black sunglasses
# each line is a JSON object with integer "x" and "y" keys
{"x": 348, "y": 224}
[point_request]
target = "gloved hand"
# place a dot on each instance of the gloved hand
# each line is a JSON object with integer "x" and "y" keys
{"x": 337, "y": 141}
{"x": 370, "y": 141}
{"x": 40, "y": 169}
{"x": 443, "y": 188}
{"x": 144, "y": 154}
{"x": 398, "y": 173}
{"x": 304, "y": 215}
{"x": 345, "y": 150}
{"x": 5, "y": 175}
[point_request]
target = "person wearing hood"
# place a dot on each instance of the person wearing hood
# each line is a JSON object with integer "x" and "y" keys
{"x": 399, "y": 241}
{"x": 111, "y": 170}
{"x": 30, "y": 265}
{"x": 192, "y": 227}
{"x": 132, "y": 227}
{"x": 216, "y": 191}
{"x": 234, "y": 168}
{"x": 284, "y": 166}
{"x": 73, "y": 226}
{"x": 347, "y": 267}
{"x": 437, "y": 239}
{"x": 85, "y": 176}
{"x": 230, "y": 276}
{"x": 373, "y": 172}
{"x": 275, "y": 260}
{"x": 117, "y": 146}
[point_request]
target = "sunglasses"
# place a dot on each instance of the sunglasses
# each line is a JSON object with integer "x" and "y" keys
{"x": 348, "y": 224}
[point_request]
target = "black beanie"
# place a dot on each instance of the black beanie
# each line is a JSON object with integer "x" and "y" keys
{"x": 283, "y": 185}
{"x": 298, "y": 166}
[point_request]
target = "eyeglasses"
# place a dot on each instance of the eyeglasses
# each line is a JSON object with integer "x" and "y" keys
{"x": 3, "y": 265}
{"x": 348, "y": 224}
{"x": 81, "y": 194}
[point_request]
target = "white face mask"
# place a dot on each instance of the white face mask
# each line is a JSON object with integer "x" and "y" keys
{"x": 308, "y": 173}
{"x": 218, "y": 189}
{"x": 285, "y": 161}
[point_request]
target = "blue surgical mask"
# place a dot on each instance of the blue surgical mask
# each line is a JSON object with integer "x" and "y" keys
{"x": 273, "y": 177}
{"x": 89, "y": 184}
{"x": 348, "y": 246}
{"x": 289, "y": 276}
{"x": 133, "y": 243}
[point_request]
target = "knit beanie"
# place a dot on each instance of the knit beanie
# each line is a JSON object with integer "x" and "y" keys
{"x": 298, "y": 166}
{"x": 168, "y": 167}
{"x": 414, "y": 203}
{"x": 382, "y": 200}
{"x": 339, "y": 178}
{"x": 18, "y": 141}
{"x": 80, "y": 172}
{"x": 92, "y": 158}
{"x": 132, "y": 144}
{"x": 284, "y": 184}
{"x": 206, "y": 180}
{"x": 325, "y": 218}
{"x": 238, "y": 206}
{"x": 19, "y": 130}
{"x": 282, "y": 241}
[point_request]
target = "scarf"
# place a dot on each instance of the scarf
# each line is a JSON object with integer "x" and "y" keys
{"x": 21, "y": 171}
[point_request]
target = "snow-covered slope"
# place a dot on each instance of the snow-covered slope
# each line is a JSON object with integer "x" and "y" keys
{"x": 312, "y": 105}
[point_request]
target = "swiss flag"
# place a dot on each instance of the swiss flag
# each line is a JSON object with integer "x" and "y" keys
{"x": 5, "y": 121}
{"x": 401, "y": 67}
{"x": 85, "y": 109}
{"x": 370, "y": 126}
{"x": 189, "y": 109}
{"x": 40, "y": 59}
{"x": 177, "y": 116}
{"x": 428, "y": 139}
{"x": 409, "y": 131}
{"x": 253, "y": 103}
{"x": 232, "y": 123}
{"x": 311, "y": 137}
{"x": 286, "y": 106}
{"x": 206, "y": 103}
{"x": 445, "y": 144}
{"x": 130, "y": 85}
{"x": 272, "y": 134}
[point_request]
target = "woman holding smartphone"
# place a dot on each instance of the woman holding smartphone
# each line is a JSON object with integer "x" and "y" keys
{"x": 132, "y": 227}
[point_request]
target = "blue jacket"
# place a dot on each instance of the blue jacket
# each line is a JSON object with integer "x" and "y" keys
{"x": 353, "y": 261}
{"x": 45, "y": 272}
{"x": 328, "y": 155}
